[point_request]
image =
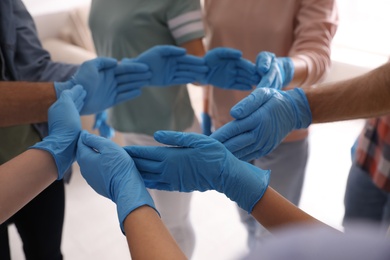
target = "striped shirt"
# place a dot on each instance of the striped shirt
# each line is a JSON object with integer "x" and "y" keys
{"x": 373, "y": 151}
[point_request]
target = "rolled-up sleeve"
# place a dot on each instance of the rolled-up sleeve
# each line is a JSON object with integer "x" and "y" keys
{"x": 317, "y": 22}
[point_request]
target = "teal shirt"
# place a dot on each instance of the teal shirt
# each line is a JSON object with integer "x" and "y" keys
{"x": 126, "y": 28}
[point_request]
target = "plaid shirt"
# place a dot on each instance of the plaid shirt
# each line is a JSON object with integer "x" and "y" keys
{"x": 373, "y": 151}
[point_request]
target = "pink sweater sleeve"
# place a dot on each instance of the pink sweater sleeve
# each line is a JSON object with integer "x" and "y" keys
{"x": 317, "y": 22}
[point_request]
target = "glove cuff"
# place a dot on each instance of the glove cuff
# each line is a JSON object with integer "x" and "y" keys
{"x": 125, "y": 207}
{"x": 287, "y": 66}
{"x": 63, "y": 163}
{"x": 247, "y": 185}
{"x": 301, "y": 106}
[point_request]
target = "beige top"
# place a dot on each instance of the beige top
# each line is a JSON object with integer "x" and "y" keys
{"x": 301, "y": 29}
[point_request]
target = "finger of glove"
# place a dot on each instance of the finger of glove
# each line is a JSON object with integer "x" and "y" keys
{"x": 263, "y": 61}
{"x": 78, "y": 94}
{"x": 104, "y": 63}
{"x": 238, "y": 86}
{"x": 84, "y": 152}
{"x": 192, "y": 68}
{"x": 181, "y": 80}
{"x": 222, "y": 53}
{"x": 169, "y": 50}
{"x": 151, "y": 167}
{"x": 270, "y": 80}
{"x": 233, "y": 128}
{"x": 249, "y": 156}
{"x": 130, "y": 67}
{"x": 239, "y": 142}
{"x": 250, "y": 104}
{"x": 187, "y": 74}
{"x": 133, "y": 77}
{"x": 127, "y": 95}
{"x": 253, "y": 78}
{"x": 245, "y": 80}
{"x": 95, "y": 143}
{"x": 206, "y": 124}
{"x": 180, "y": 139}
{"x": 146, "y": 153}
{"x": 246, "y": 65}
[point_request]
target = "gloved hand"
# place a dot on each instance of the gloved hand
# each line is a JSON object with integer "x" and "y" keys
{"x": 206, "y": 123}
{"x": 199, "y": 163}
{"x": 110, "y": 171}
{"x": 228, "y": 70}
{"x": 64, "y": 128}
{"x": 104, "y": 129}
{"x": 170, "y": 65}
{"x": 263, "y": 119}
{"x": 274, "y": 72}
{"x": 107, "y": 83}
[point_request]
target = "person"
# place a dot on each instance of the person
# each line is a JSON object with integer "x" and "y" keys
{"x": 367, "y": 192}
{"x": 22, "y": 58}
{"x": 299, "y": 37}
{"x": 123, "y": 29}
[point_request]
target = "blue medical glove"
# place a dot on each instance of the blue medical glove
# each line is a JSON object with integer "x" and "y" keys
{"x": 206, "y": 123}
{"x": 170, "y": 65}
{"x": 64, "y": 128}
{"x": 198, "y": 163}
{"x": 110, "y": 171}
{"x": 263, "y": 119}
{"x": 228, "y": 70}
{"x": 107, "y": 83}
{"x": 104, "y": 129}
{"x": 353, "y": 149}
{"x": 275, "y": 72}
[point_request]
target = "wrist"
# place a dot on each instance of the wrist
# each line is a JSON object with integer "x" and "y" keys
{"x": 301, "y": 108}
{"x": 247, "y": 185}
{"x": 60, "y": 155}
{"x": 287, "y": 67}
{"x": 128, "y": 201}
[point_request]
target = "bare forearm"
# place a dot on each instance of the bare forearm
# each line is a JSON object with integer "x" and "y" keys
{"x": 148, "y": 238}
{"x": 300, "y": 72}
{"x": 25, "y": 102}
{"x": 23, "y": 178}
{"x": 361, "y": 97}
{"x": 274, "y": 211}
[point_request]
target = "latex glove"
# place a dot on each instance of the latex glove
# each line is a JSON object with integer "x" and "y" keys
{"x": 199, "y": 163}
{"x": 263, "y": 119}
{"x": 275, "y": 72}
{"x": 170, "y": 65}
{"x": 110, "y": 171}
{"x": 228, "y": 70}
{"x": 104, "y": 129}
{"x": 64, "y": 128}
{"x": 107, "y": 83}
{"x": 206, "y": 123}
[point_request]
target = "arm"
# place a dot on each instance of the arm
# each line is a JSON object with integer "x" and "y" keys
{"x": 148, "y": 238}
{"x": 308, "y": 59}
{"x": 23, "y": 178}
{"x": 361, "y": 97}
{"x": 313, "y": 34}
{"x": 274, "y": 211}
{"x": 25, "y": 102}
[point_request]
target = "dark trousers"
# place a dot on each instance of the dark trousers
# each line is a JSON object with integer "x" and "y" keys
{"x": 39, "y": 224}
